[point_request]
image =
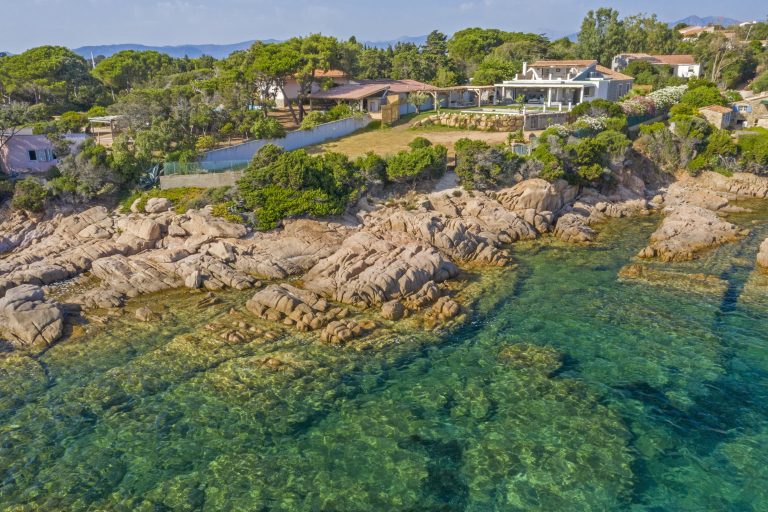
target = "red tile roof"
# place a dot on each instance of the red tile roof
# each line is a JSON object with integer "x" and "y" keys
{"x": 350, "y": 92}
{"x": 675, "y": 59}
{"x": 717, "y": 108}
{"x": 614, "y": 75}
{"x": 401, "y": 86}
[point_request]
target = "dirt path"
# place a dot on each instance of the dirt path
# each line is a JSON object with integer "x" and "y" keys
{"x": 388, "y": 141}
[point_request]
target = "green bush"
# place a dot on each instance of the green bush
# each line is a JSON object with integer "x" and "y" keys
{"x": 316, "y": 117}
{"x": 597, "y": 108}
{"x": 266, "y": 155}
{"x": 296, "y": 183}
{"x": 205, "y": 143}
{"x": 580, "y": 160}
{"x": 313, "y": 119}
{"x": 30, "y": 195}
{"x": 267, "y": 128}
{"x": 6, "y": 189}
{"x": 754, "y": 150}
{"x": 481, "y": 166}
{"x": 419, "y": 142}
{"x": 683, "y": 109}
{"x": 760, "y": 83}
{"x": 703, "y": 96}
{"x": 417, "y": 164}
{"x": 372, "y": 167}
{"x": 183, "y": 198}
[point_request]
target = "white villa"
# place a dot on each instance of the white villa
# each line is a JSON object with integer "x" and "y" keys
{"x": 564, "y": 83}
{"x": 683, "y": 66}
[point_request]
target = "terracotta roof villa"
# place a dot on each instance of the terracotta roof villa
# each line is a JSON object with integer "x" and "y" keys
{"x": 370, "y": 95}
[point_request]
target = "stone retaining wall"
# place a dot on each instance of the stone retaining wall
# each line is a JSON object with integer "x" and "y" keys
{"x": 495, "y": 122}
{"x": 204, "y": 180}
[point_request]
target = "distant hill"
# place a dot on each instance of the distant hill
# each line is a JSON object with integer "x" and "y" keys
{"x": 417, "y": 40}
{"x": 698, "y": 21}
{"x": 218, "y": 51}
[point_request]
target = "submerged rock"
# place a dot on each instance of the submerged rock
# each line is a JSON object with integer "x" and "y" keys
{"x": 144, "y": 314}
{"x": 697, "y": 282}
{"x": 393, "y": 310}
{"x": 762, "y": 255}
{"x": 303, "y": 309}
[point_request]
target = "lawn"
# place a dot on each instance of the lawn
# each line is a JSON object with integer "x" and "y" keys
{"x": 389, "y": 140}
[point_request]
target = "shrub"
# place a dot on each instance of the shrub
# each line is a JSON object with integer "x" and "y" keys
{"x": 753, "y": 148}
{"x": 340, "y": 111}
{"x": 266, "y": 155}
{"x": 72, "y": 122}
{"x": 205, "y": 143}
{"x": 683, "y": 109}
{"x": 417, "y": 164}
{"x": 267, "y": 128}
{"x": 760, "y": 83}
{"x": 372, "y": 167}
{"x": 29, "y": 194}
{"x": 480, "y": 166}
{"x": 182, "y": 198}
{"x": 597, "y": 108}
{"x": 419, "y": 142}
{"x": 227, "y": 211}
{"x": 312, "y": 120}
{"x": 6, "y": 189}
{"x": 296, "y": 183}
{"x": 702, "y": 97}
{"x": 668, "y": 96}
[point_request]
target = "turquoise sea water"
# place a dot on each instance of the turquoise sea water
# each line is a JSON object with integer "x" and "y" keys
{"x": 567, "y": 389}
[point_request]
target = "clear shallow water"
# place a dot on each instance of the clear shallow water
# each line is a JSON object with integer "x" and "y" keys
{"x": 567, "y": 390}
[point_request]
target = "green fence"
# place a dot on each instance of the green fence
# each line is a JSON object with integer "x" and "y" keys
{"x": 173, "y": 168}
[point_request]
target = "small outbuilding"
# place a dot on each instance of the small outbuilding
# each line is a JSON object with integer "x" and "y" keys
{"x": 718, "y": 116}
{"x": 28, "y": 153}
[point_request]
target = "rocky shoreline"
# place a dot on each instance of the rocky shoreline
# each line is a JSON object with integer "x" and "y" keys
{"x": 394, "y": 260}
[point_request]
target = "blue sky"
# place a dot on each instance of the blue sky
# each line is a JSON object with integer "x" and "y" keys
{"x": 28, "y": 23}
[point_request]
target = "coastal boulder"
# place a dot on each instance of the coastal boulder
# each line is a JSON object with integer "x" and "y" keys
{"x": 293, "y": 306}
{"x": 538, "y": 194}
{"x": 762, "y": 256}
{"x": 27, "y": 319}
{"x": 687, "y": 231}
{"x": 158, "y": 205}
{"x": 392, "y": 310}
{"x": 143, "y": 228}
{"x": 202, "y": 222}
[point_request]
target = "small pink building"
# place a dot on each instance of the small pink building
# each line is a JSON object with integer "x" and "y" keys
{"x": 27, "y": 153}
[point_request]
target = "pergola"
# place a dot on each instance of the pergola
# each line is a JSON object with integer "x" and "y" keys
{"x": 105, "y": 120}
{"x": 477, "y": 89}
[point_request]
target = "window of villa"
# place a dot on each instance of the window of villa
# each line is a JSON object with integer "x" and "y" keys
{"x": 557, "y": 70}
{"x": 42, "y": 155}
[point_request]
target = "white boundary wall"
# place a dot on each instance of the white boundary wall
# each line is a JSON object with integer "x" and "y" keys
{"x": 293, "y": 140}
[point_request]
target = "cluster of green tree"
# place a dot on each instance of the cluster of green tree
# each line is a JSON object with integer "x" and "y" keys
{"x": 691, "y": 143}
{"x": 588, "y": 150}
{"x": 279, "y": 184}
{"x": 482, "y": 166}
{"x": 656, "y": 76}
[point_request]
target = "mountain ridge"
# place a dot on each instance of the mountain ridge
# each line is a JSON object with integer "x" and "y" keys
{"x": 217, "y": 51}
